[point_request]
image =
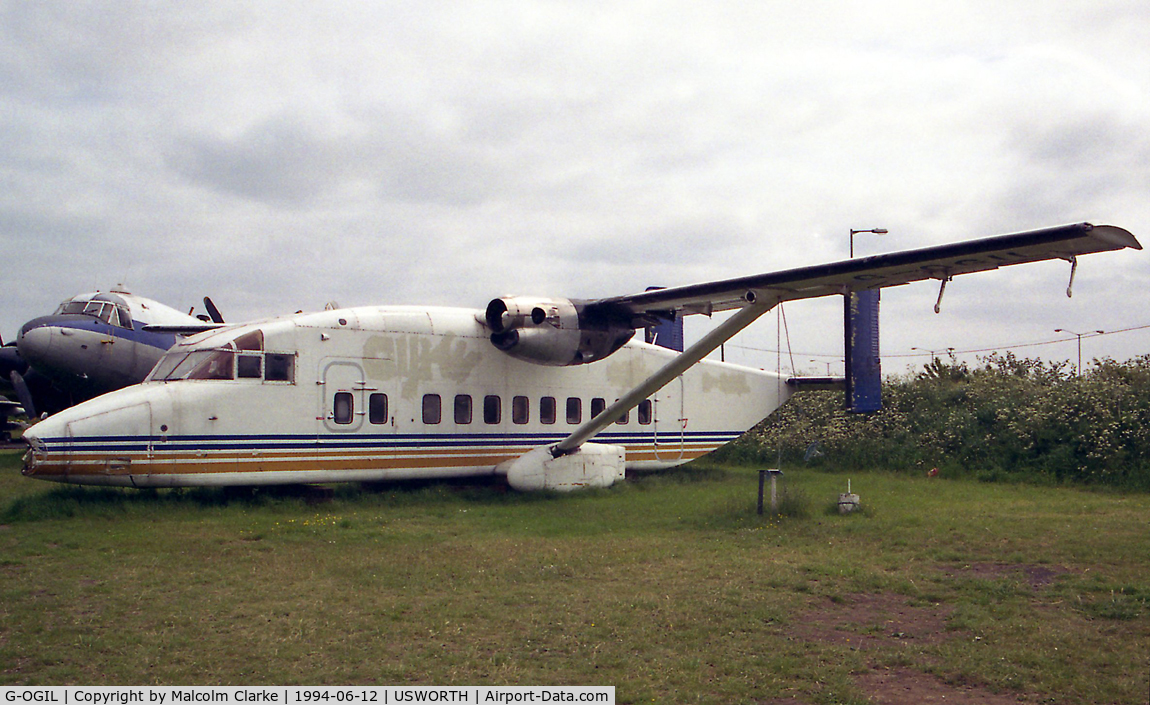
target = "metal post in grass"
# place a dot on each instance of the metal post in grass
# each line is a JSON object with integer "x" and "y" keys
{"x": 774, "y": 473}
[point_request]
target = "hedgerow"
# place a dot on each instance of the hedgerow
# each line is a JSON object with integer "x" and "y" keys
{"x": 1009, "y": 417}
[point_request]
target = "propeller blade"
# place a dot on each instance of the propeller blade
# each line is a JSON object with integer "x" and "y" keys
{"x": 213, "y": 311}
{"x": 23, "y": 394}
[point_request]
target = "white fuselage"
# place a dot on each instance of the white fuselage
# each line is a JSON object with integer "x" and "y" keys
{"x": 379, "y": 393}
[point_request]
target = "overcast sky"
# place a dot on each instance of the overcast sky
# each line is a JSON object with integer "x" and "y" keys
{"x": 280, "y": 155}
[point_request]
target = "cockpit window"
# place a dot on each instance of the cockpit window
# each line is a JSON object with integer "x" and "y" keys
{"x": 251, "y": 341}
{"x": 242, "y": 358}
{"x": 280, "y": 368}
{"x": 125, "y": 318}
{"x": 107, "y": 311}
{"x": 217, "y": 364}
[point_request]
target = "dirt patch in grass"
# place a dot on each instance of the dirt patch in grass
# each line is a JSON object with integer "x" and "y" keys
{"x": 873, "y": 620}
{"x": 1036, "y": 576}
{"x": 870, "y": 622}
{"x": 903, "y": 686}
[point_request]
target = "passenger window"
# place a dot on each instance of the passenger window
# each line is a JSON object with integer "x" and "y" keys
{"x": 547, "y": 410}
{"x": 248, "y": 366}
{"x": 644, "y": 412}
{"x": 280, "y": 368}
{"x": 623, "y": 418}
{"x": 463, "y": 409}
{"x": 520, "y": 410}
{"x": 432, "y": 409}
{"x": 574, "y": 410}
{"x": 343, "y": 408}
{"x": 492, "y": 409}
{"x": 377, "y": 409}
{"x": 598, "y": 404}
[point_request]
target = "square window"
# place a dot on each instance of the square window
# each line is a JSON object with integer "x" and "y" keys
{"x": 520, "y": 410}
{"x": 598, "y": 404}
{"x": 463, "y": 409}
{"x": 343, "y": 408}
{"x": 547, "y": 410}
{"x": 248, "y": 366}
{"x": 574, "y": 410}
{"x": 280, "y": 368}
{"x": 492, "y": 409}
{"x": 377, "y": 409}
{"x": 432, "y": 409}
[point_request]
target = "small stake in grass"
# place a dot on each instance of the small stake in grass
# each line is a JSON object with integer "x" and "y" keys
{"x": 848, "y": 502}
{"x": 775, "y": 473}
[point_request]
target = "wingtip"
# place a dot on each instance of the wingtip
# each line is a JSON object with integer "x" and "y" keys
{"x": 1117, "y": 236}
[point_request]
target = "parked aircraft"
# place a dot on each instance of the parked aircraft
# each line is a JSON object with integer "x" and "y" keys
{"x": 93, "y": 343}
{"x": 551, "y": 393}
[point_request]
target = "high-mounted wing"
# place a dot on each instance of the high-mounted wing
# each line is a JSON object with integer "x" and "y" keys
{"x": 755, "y": 295}
{"x": 942, "y": 262}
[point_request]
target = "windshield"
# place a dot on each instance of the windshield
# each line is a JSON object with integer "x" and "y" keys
{"x": 242, "y": 358}
{"x": 106, "y": 311}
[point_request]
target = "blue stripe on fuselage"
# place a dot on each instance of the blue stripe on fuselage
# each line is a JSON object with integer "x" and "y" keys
{"x": 79, "y": 321}
{"x": 364, "y": 442}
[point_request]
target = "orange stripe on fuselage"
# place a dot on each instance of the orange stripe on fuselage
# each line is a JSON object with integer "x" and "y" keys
{"x": 222, "y": 461}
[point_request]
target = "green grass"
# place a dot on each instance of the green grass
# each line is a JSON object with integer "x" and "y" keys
{"x": 670, "y": 587}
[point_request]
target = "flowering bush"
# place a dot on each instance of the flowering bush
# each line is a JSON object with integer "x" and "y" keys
{"x": 1009, "y": 417}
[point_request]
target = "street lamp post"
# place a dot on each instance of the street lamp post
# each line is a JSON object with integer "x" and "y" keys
{"x": 876, "y": 231}
{"x": 1079, "y": 335}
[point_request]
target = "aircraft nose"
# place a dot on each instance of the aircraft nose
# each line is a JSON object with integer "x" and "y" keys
{"x": 34, "y": 342}
{"x": 34, "y": 456}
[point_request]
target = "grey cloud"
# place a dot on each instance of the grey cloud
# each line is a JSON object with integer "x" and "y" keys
{"x": 296, "y": 163}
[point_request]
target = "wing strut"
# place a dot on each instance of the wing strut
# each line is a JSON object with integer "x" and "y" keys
{"x": 722, "y": 333}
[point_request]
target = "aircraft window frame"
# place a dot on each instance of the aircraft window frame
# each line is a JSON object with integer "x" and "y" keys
{"x": 598, "y": 406}
{"x": 189, "y": 364}
{"x": 377, "y": 409}
{"x": 245, "y": 368}
{"x": 220, "y": 364}
{"x": 492, "y": 409}
{"x": 644, "y": 412}
{"x": 432, "y": 409}
{"x": 462, "y": 409}
{"x": 167, "y": 365}
{"x": 520, "y": 410}
{"x": 343, "y": 408}
{"x": 251, "y": 341}
{"x": 123, "y": 318}
{"x": 547, "y": 410}
{"x": 624, "y": 418}
{"x": 574, "y": 410}
{"x": 279, "y": 367}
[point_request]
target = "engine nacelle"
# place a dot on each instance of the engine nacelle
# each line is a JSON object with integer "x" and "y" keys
{"x": 551, "y": 331}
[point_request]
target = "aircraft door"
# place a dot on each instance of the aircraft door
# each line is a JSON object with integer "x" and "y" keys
{"x": 670, "y": 425}
{"x": 344, "y": 396}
